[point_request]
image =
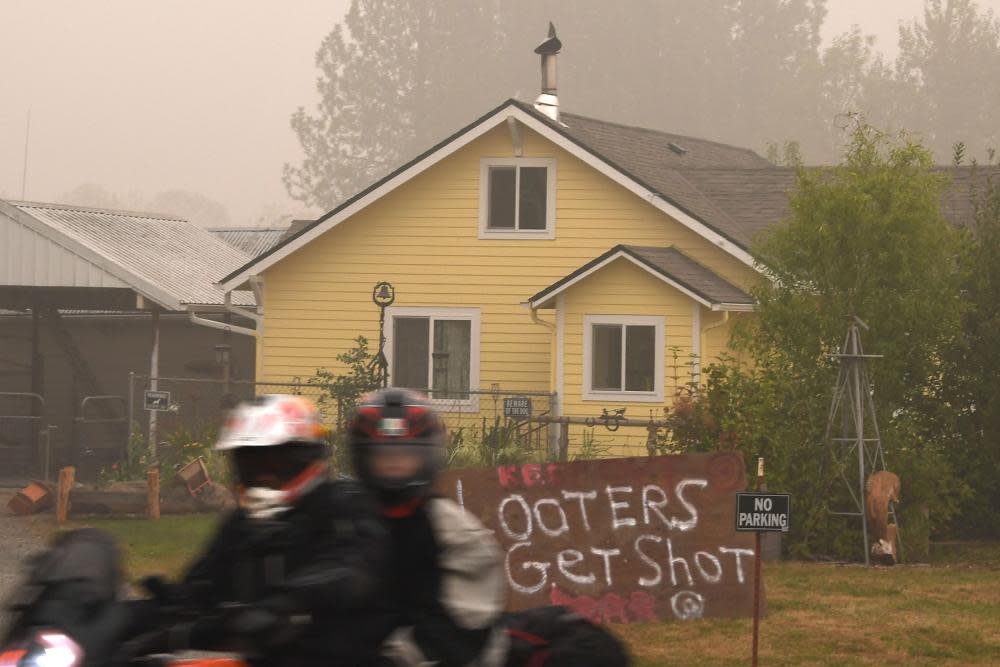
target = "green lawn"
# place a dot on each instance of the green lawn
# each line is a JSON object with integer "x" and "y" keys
{"x": 156, "y": 547}
{"x": 947, "y": 613}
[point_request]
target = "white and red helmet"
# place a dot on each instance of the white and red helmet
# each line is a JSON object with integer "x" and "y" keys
{"x": 278, "y": 449}
{"x": 272, "y": 420}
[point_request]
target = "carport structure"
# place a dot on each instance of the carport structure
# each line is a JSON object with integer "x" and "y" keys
{"x": 57, "y": 259}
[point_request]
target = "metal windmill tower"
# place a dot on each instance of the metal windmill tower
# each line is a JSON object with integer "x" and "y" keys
{"x": 852, "y": 427}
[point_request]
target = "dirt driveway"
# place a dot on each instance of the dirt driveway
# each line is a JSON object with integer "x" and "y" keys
{"x": 19, "y": 537}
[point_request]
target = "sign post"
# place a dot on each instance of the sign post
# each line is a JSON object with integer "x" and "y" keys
{"x": 756, "y": 570}
{"x": 761, "y": 512}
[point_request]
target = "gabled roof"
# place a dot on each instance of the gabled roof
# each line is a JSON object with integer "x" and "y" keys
{"x": 724, "y": 193}
{"x": 636, "y": 168}
{"x": 167, "y": 260}
{"x": 250, "y": 240}
{"x": 669, "y": 265}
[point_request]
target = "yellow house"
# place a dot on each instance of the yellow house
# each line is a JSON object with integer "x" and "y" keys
{"x": 532, "y": 251}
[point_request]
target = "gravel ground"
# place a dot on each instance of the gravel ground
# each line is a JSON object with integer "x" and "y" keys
{"x": 19, "y": 537}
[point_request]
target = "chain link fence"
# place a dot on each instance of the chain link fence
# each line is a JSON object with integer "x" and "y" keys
{"x": 485, "y": 426}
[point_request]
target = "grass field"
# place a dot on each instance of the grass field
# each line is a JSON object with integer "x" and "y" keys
{"x": 947, "y": 613}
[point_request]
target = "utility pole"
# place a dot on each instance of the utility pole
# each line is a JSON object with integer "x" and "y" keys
{"x": 24, "y": 168}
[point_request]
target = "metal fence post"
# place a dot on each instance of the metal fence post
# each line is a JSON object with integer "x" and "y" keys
{"x": 564, "y": 441}
{"x": 131, "y": 402}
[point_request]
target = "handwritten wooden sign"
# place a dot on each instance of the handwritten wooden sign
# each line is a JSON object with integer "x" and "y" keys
{"x": 618, "y": 540}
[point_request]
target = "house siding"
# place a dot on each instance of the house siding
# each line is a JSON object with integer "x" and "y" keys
{"x": 621, "y": 288}
{"x": 424, "y": 238}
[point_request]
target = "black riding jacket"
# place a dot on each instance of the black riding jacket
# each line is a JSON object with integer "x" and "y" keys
{"x": 321, "y": 567}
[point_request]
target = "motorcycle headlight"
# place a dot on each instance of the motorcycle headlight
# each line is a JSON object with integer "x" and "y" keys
{"x": 53, "y": 649}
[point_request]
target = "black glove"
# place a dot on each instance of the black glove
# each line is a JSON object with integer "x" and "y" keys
{"x": 162, "y": 590}
{"x": 187, "y": 595}
{"x": 260, "y": 625}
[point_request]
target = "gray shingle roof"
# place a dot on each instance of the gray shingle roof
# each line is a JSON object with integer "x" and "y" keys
{"x": 647, "y": 152}
{"x": 752, "y": 200}
{"x": 170, "y": 260}
{"x": 732, "y": 190}
{"x": 252, "y": 241}
{"x": 671, "y": 265}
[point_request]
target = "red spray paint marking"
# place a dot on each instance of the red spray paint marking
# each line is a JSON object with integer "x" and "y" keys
{"x": 609, "y": 608}
{"x": 528, "y": 475}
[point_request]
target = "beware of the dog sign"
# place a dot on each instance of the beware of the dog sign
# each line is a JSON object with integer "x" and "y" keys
{"x": 517, "y": 407}
{"x": 763, "y": 511}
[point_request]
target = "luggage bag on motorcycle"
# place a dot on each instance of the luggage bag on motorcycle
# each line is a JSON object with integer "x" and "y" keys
{"x": 556, "y": 637}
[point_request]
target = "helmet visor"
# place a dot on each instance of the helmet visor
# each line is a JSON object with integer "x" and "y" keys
{"x": 397, "y": 462}
{"x": 273, "y": 467}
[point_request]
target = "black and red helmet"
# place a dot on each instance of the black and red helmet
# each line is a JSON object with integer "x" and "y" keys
{"x": 397, "y": 420}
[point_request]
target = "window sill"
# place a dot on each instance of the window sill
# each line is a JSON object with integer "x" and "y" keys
{"x": 447, "y": 405}
{"x": 518, "y": 234}
{"x": 624, "y": 396}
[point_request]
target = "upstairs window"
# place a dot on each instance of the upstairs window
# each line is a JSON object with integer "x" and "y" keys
{"x": 517, "y": 198}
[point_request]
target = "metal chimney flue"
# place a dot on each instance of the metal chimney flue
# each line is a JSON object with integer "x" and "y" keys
{"x": 548, "y": 102}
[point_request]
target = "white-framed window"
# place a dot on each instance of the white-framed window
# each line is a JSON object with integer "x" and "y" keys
{"x": 517, "y": 198}
{"x": 623, "y": 357}
{"x": 435, "y": 350}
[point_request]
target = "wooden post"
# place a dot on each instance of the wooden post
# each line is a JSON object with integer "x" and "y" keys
{"x": 756, "y": 570}
{"x": 651, "y": 431}
{"x": 67, "y": 477}
{"x": 153, "y": 501}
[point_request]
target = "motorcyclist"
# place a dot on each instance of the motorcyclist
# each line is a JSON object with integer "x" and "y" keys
{"x": 292, "y": 575}
{"x": 447, "y": 587}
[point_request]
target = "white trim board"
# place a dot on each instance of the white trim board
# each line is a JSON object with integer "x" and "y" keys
{"x": 509, "y": 110}
{"x": 560, "y": 352}
{"x": 696, "y": 342}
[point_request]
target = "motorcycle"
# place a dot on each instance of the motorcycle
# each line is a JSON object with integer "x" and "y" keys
{"x": 70, "y": 613}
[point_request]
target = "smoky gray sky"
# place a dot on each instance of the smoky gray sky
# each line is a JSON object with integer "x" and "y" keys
{"x": 142, "y": 96}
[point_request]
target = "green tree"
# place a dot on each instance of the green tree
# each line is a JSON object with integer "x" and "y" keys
{"x": 865, "y": 238}
{"x": 972, "y": 383}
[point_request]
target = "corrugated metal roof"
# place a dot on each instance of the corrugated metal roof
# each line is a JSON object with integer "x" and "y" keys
{"x": 251, "y": 240}
{"x": 168, "y": 260}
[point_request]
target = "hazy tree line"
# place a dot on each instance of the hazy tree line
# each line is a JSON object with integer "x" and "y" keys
{"x": 397, "y": 76}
